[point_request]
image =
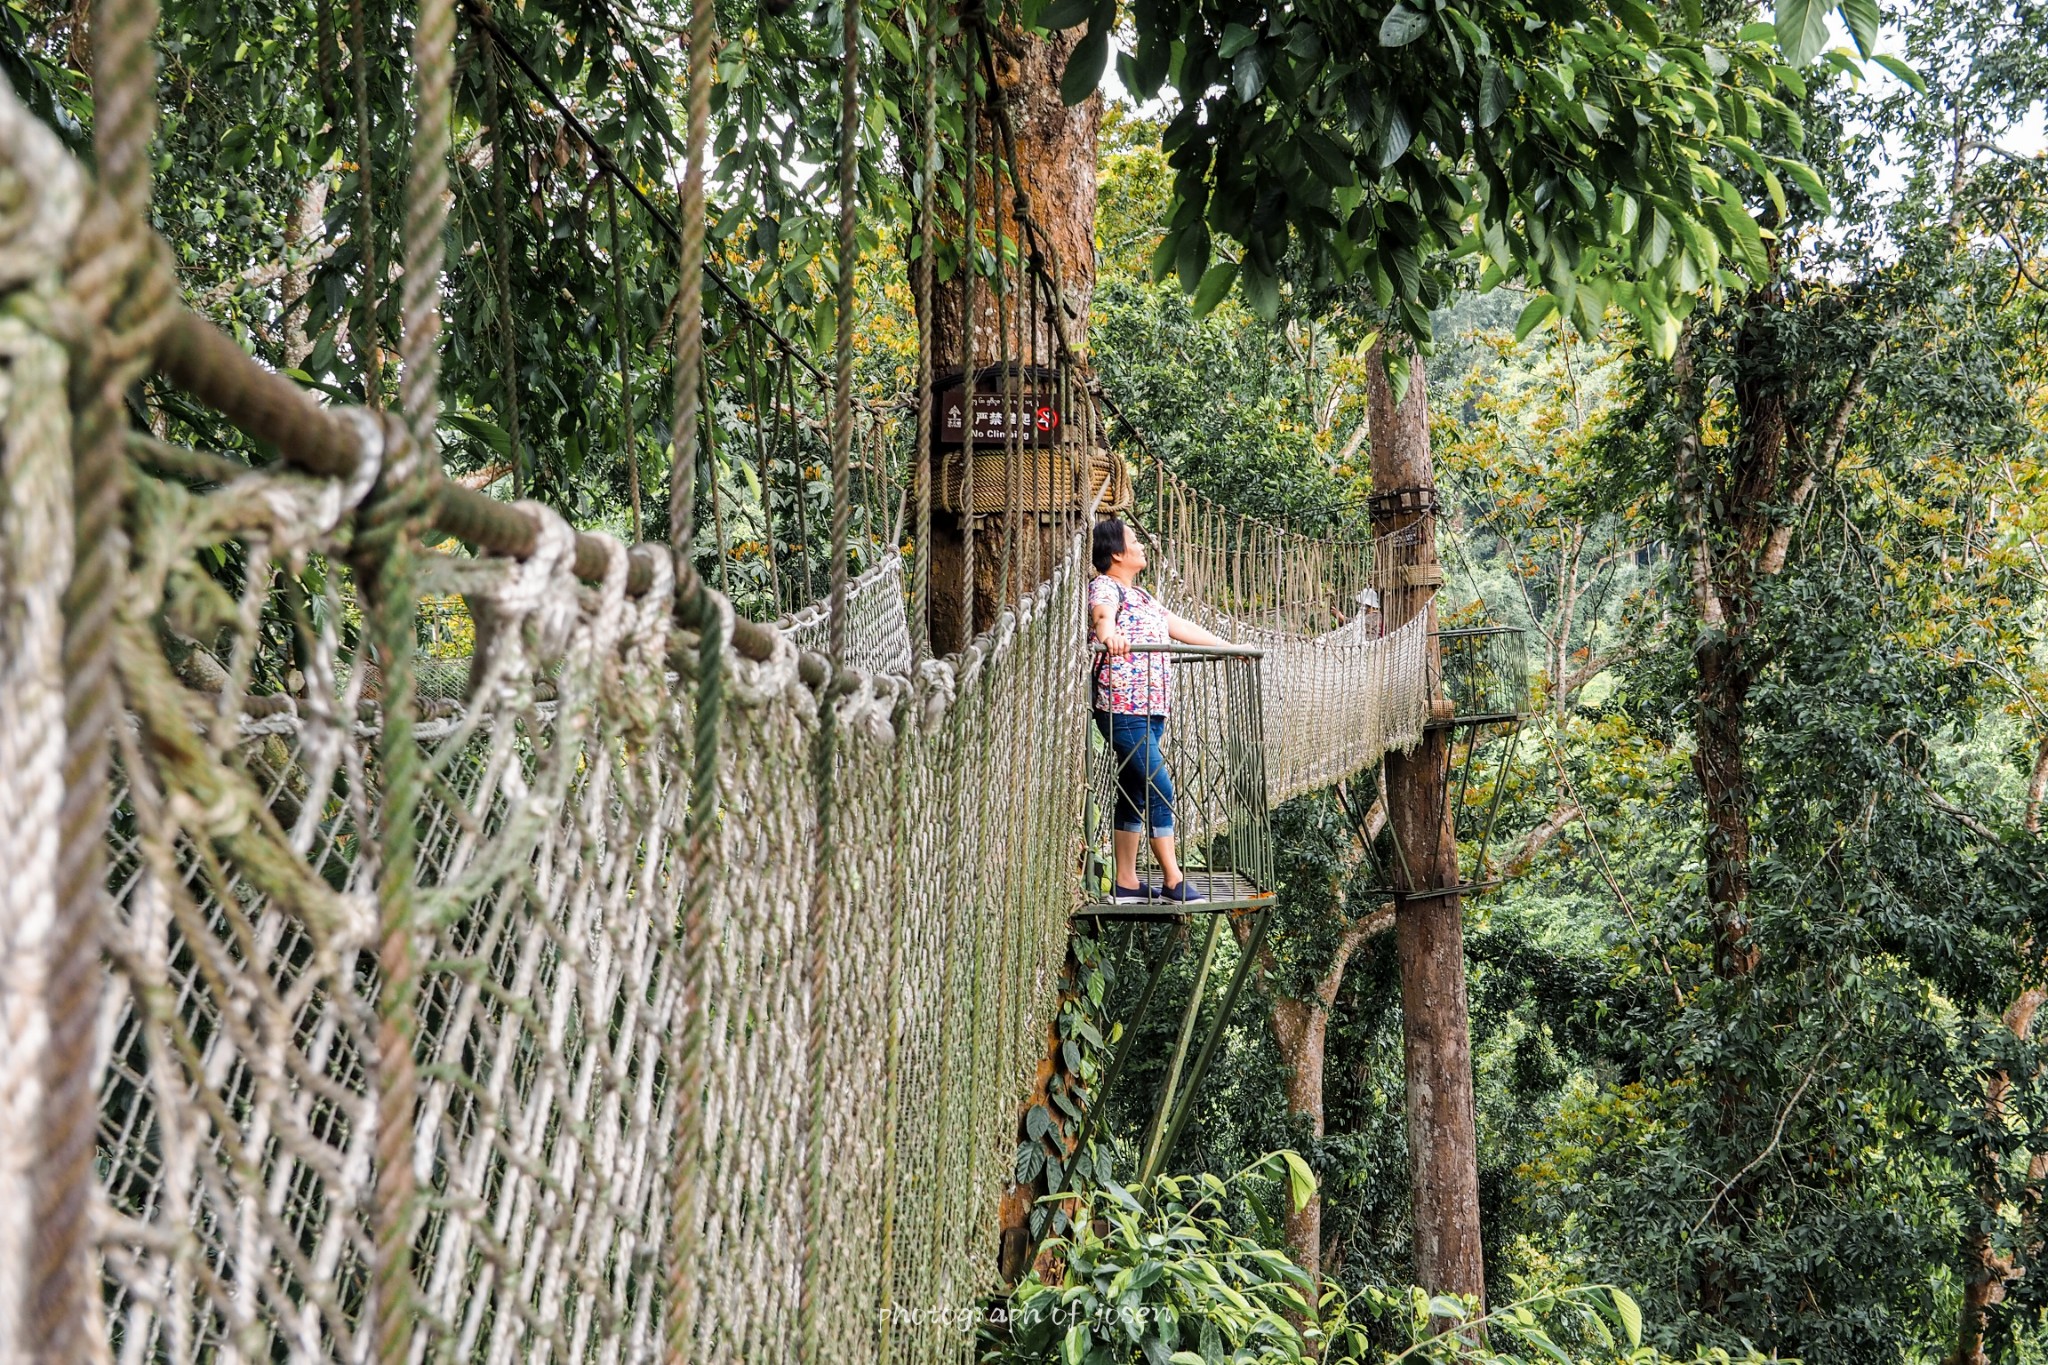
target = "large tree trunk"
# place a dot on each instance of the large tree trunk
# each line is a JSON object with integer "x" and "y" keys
{"x": 1443, "y": 1145}
{"x": 1300, "y": 1032}
{"x": 1299, "y": 1029}
{"x": 1055, "y": 161}
{"x": 1987, "y": 1271}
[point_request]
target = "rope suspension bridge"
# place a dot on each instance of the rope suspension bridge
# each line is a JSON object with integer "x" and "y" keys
{"x": 648, "y": 981}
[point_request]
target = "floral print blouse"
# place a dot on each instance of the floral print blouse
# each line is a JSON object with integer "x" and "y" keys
{"x": 1138, "y": 684}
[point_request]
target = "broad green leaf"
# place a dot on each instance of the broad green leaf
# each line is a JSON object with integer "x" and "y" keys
{"x": 1631, "y": 1316}
{"x": 1261, "y": 291}
{"x": 1863, "y": 19}
{"x": 1300, "y": 1179}
{"x": 1164, "y": 254}
{"x": 1061, "y": 14}
{"x": 1236, "y": 38}
{"x": 1901, "y": 70}
{"x": 1215, "y": 286}
{"x": 1084, "y": 68}
{"x": 1533, "y": 314}
{"x": 1636, "y": 19}
{"x": 1802, "y": 27}
{"x": 1802, "y": 175}
{"x": 1400, "y": 133}
{"x": 1248, "y": 75}
{"x": 1494, "y": 93}
{"x": 1402, "y": 26}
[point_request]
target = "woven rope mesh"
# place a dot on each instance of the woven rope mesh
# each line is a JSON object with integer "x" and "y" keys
{"x": 1337, "y": 693}
{"x": 237, "y": 1101}
{"x": 877, "y": 630}
{"x": 240, "y": 1091}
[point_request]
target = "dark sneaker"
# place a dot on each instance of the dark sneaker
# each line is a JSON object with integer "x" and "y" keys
{"x": 1125, "y": 895}
{"x": 1181, "y": 891}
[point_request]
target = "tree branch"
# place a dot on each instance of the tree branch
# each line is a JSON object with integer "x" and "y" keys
{"x": 2037, "y": 789}
{"x": 1359, "y": 931}
{"x": 1551, "y": 827}
{"x": 1777, "y": 1134}
{"x": 1593, "y": 668}
{"x": 1779, "y": 546}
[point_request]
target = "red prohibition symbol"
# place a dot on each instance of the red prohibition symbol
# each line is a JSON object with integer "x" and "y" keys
{"x": 1047, "y": 419}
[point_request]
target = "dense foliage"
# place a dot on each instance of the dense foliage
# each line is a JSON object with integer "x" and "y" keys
{"x": 1818, "y": 1128}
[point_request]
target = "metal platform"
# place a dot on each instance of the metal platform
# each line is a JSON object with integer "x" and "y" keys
{"x": 1223, "y": 892}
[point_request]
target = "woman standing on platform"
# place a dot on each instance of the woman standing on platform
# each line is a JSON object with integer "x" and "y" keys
{"x": 1133, "y": 693}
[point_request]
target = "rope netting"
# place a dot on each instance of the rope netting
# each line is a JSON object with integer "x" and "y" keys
{"x": 1337, "y": 692}
{"x": 513, "y": 954}
{"x": 242, "y": 1201}
{"x": 877, "y": 626}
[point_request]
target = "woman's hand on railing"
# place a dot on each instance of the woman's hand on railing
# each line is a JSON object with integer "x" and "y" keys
{"x": 1114, "y": 643}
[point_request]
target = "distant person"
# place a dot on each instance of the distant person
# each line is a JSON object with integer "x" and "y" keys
{"x": 1133, "y": 692}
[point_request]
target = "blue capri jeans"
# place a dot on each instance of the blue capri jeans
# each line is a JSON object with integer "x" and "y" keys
{"x": 1144, "y": 790}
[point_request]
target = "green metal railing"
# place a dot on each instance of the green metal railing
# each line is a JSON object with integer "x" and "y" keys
{"x": 1485, "y": 673}
{"x": 1214, "y": 747}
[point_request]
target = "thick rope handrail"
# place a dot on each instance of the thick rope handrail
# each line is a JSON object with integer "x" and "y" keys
{"x": 63, "y": 1297}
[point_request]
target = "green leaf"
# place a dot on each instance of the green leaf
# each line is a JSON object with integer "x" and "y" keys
{"x": 1494, "y": 93}
{"x": 1248, "y": 75}
{"x": 1236, "y": 38}
{"x": 1301, "y": 1180}
{"x": 1803, "y": 177}
{"x": 1061, "y": 14}
{"x": 1215, "y": 286}
{"x": 1402, "y": 26}
{"x": 1863, "y": 19}
{"x": 1400, "y": 133}
{"x": 1631, "y": 1317}
{"x": 1537, "y": 309}
{"x": 1037, "y": 1122}
{"x": 1085, "y": 67}
{"x": 1164, "y": 254}
{"x": 1261, "y": 291}
{"x": 1636, "y": 19}
{"x": 1901, "y": 70}
{"x": 1802, "y": 27}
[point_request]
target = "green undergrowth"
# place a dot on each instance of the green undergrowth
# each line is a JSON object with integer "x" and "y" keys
{"x": 1191, "y": 1272}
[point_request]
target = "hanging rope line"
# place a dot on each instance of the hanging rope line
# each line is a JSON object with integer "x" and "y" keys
{"x": 550, "y": 1012}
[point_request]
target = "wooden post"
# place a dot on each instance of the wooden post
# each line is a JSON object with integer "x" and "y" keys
{"x": 1443, "y": 1147}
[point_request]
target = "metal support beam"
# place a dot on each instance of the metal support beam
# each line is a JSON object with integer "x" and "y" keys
{"x": 1253, "y": 942}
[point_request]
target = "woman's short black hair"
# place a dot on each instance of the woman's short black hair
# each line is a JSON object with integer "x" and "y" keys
{"x": 1111, "y": 539}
